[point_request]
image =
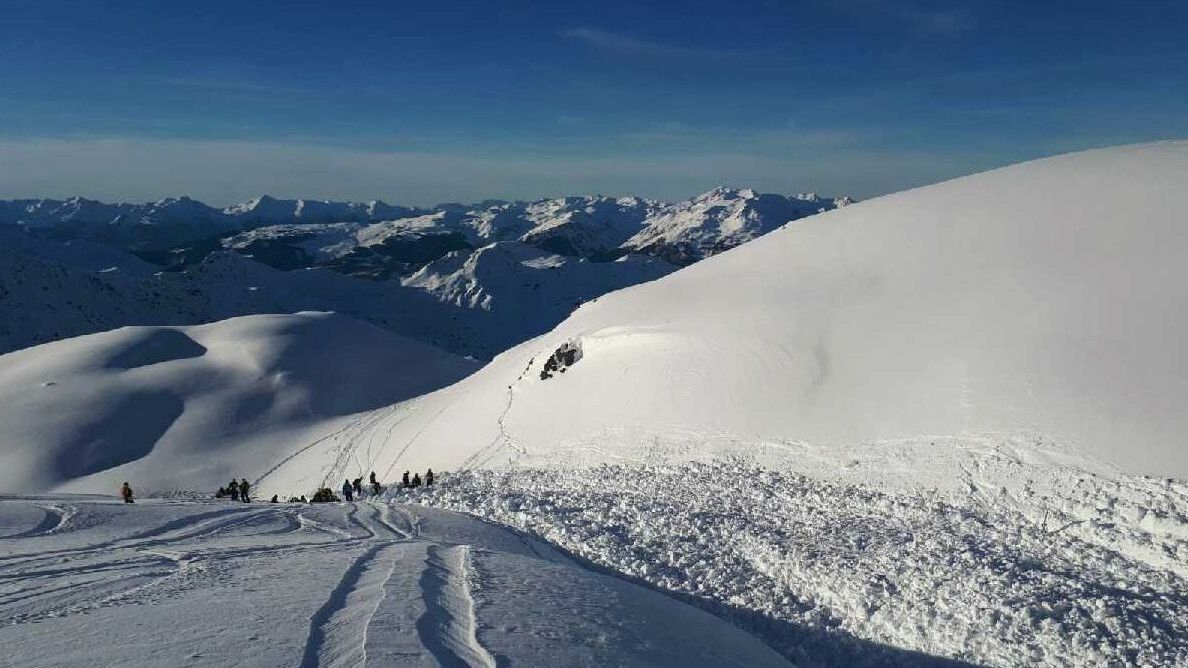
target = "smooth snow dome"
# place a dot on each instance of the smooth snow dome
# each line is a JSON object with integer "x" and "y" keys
{"x": 188, "y": 407}
{"x": 1045, "y": 298}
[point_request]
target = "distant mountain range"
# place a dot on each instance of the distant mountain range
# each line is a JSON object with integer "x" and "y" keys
{"x": 473, "y": 279}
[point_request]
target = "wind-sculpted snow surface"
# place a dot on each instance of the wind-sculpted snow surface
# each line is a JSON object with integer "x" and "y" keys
{"x": 1093, "y": 571}
{"x": 217, "y": 583}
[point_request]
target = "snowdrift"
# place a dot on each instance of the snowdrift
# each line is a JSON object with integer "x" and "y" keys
{"x": 1047, "y": 298}
{"x": 188, "y": 407}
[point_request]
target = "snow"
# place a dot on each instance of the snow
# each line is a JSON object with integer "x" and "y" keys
{"x": 188, "y": 407}
{"x": 1035, "y": 299}
{"x": 842, "y": 574}
{"x": 918, "y": 430}
{"x": 85, "y": 581}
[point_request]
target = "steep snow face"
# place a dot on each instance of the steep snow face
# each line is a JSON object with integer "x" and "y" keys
{"x": 1047, "y": 297}
{"x": 498, "y": 288}
{"x": 592, "y": 227}
{"x": 186, "y": 407}
{"x": 719, "y": 220}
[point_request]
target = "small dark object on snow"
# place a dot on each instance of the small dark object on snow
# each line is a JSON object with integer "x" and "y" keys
{"x": 126, "y": 493}
{"x": 562, "y": 358}
{"x": 274, "y": 499}
{"x": 222, "y": 493}
{"x": 324, "y": 495}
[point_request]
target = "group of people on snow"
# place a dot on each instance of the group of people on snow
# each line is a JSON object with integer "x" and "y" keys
{"x": 351, "y": 489}
{"x": 416, "y": 479}
{"x": 238, "y": 491}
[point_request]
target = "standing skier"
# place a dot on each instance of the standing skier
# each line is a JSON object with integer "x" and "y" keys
{"x": 233, "y": 489}
{"x": 126, "y": 493}
{"x": 429, "y": 477}
{"x": 416, "y": 481}
{"x": 348, "y": 490}
{"x": 404, "y": 482}
{"x": 358, "y": 485}
{"x": 243, "y": 490}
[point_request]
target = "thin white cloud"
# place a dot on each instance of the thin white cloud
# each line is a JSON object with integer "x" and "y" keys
{"x": 949, "y": 20}
{"x": 627, "y": 45}
{"x": 232, "y": 87}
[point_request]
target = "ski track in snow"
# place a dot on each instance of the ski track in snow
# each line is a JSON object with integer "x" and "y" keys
{"x": 191, "y": 551}
{"x": 338, "y": 630}
{"x": 448, "y": 627}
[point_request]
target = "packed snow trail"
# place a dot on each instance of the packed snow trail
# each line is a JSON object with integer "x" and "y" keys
{"x": 160, "y": 582}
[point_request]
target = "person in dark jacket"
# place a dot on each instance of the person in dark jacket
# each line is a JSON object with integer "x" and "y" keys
{"x": 404, "y": 482}
{"x": 372, "y": 479}
{"x": 126, "y": 493}
{"x": 233, "y": 489}
{"x": 348, "y": 490}
{"x": 243, "y": 490}
{"x": 358, "y": 485}
{"x": 222, "y": 493}
{"x": 274, "y": 499}
{"x": 416, "y": 481}
{"x": 429, "y": 477}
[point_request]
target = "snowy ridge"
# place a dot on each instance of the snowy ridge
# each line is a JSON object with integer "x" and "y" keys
{"x": 970, "y": 307}
{"x": 188, "y": 407}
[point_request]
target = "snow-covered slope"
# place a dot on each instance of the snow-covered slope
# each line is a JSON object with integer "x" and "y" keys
{"x": 188, "y": 407}
{"x": 88, "y": 582}
{"x": 500, "y": 288}
{"x": 1045, "y": 298}
{"x": 719, "y": 220}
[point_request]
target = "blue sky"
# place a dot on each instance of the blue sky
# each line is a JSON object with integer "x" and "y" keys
{"x": 424, "y": 102}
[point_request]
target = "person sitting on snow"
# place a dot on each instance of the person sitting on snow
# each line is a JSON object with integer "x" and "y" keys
{"x": 222, "y": 493}
{"x": 126, "y": 493}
